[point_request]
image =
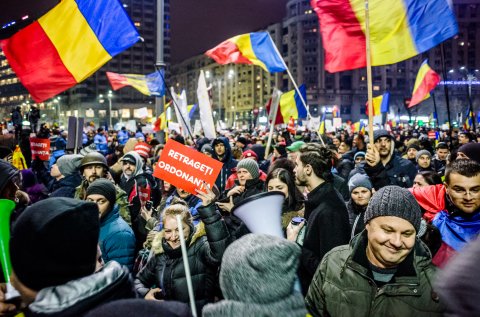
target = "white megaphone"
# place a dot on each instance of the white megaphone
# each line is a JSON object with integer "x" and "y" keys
{"x": 262, "y": 213}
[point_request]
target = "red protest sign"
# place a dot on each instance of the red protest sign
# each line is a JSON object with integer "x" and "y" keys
{"x": 40, "y": 149}
{"x": 186, "y": 168}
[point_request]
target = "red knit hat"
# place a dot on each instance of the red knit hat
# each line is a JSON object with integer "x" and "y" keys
{"x": 143, "y": 149}
{"x": 250, "y": 154}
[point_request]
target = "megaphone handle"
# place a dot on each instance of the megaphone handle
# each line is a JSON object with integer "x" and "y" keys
{"x": 12, "y": 294}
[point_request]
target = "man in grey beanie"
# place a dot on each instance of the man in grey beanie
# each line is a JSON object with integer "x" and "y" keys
{"x": 383, "y": 270}
{"x": 424, "y": 159}
{"x": 257, "y": 279}
{"x": 67, "y": 176}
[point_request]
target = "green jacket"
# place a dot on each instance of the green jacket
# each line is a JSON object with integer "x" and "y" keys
{"x": 121, "y": 200}
{"x": 343, "y": 285}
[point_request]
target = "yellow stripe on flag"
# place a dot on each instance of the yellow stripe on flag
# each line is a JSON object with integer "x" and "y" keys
{"x": 64, "y": 23}
{"x": 377, "y": 104}
{"x": 387, "y": 42}
{"x": 288, "y": 107}
{"x": 245, "y": 46}
{"x": 138, "y": 82}
{"x": 420, "y": 76}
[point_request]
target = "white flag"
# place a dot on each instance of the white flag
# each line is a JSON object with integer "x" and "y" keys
{"x": 180, "y": 107}
{"x": 205, "y": 108}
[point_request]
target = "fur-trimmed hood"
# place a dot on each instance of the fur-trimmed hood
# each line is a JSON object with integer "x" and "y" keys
{"x": 157, "y": 247}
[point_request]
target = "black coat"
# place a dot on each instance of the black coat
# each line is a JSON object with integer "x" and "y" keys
{"x": 398, "y": 171}
{"x": 327, "y": 228}
{"x": 166, "y": 270}
{"x": 66, "y": 187}
{"x": 355, "y": 217}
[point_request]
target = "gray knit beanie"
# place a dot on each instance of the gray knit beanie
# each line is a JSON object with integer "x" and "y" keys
{"x": 104, "y": 187}
{"x": 359, "y": 180}
{"x": 394, "y": 201}
{"x": 259, "y": 268}
{"x": 69, "y": 164}
{"x": 250, "y": 165}
{"x": 423, "y": 152}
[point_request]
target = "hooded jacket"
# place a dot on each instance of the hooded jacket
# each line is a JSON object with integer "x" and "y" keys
{"x": 205, "y": 250}
{"x": 228, "y": 163}
{"x": 66, "y": 186}
{"x": 344, "y": 285}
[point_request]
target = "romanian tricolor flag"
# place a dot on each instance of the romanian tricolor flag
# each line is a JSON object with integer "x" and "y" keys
{"x": 321, "y": 128}
{"x": 380, "y": 104}
{"x": 469, "y": 120}
{"x": 427, "y": 80}
{"x": 150, "y": 85}
{"x": 290, "y": 106}
{"x": 161, "y": 123}
{"x": 68, "y": 44}
{"x": 334, "y": 112}
{"x": 358, "y": 127}
{"x": 399, "y": 29}
{"x": 251, "y": 48}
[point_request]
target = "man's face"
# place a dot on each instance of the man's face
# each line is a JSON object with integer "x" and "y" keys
{"x": 239, "y": 144}
{"x": 419, "y": 181}
{"x": 424, "y": 161}
{"x": 10, "y": 190}
{"x": 93, "y": 172}
{"x": 243, "y": 175}
{"x": 411, "y": 153}
{"x": 102, "y": 203}
{"x": 464, "y": 192}
{"x": 128, "y": 168}
{"x": 300, "y": 176}
{"x": 292, "y": 156}
{"x": 462, "y": 139}
{"x": 442, "y": 154}
{"x": 384, "y": 146}
{"x": 359, "y": 160}
{"x": 220, "y": 149}
{"x": 390, "y": 240}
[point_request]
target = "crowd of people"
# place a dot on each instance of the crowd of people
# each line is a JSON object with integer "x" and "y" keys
{"x": 378, "y": 228}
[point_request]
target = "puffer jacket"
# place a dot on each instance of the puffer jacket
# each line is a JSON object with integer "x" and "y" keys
{"x": 343, "y": 285}
{"x": 78, "y": 297}
{"x": 205, "y": 250}
{"x": 117, "y": 241}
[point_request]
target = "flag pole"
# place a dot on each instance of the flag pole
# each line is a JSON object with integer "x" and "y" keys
{"x": 275, "y": 102}
{"x": 291, "y": 77}
{"x": 369, "y": 74}
{"x": 435, "y": 107}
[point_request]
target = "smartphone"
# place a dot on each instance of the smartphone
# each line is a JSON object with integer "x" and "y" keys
{"x": 148, "y": 205}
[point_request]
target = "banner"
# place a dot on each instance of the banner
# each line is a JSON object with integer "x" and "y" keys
{"x": 40, "y": 149}
{"x": 186, "y": 168}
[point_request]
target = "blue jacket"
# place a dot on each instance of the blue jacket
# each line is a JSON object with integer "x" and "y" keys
{"x": 101, "y": 143}
{"x": 122, "y": 137}
{"x": 117, "y": 241}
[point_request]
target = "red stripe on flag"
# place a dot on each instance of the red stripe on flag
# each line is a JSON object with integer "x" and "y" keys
{"x": 342, "y": 35}
{"x": 429, "y": 82}
{"x": 117, "y": 80}
{"x": 227, "y": 52}
{"x": 36, "y": 62}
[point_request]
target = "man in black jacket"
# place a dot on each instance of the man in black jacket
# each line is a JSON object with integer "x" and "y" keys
{"x": 384, "y": 166}
{"x": 326, "y": 215}
{"x": 54, "y": 257}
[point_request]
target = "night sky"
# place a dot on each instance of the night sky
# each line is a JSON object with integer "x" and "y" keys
{"x": 197, "y": 25}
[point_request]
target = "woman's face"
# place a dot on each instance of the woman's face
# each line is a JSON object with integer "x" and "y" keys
{"x": 172, "y": 235}
{"x": 277, "y": 185}
{"x": 419, "y": 181}
{"x": 361, "y": 196}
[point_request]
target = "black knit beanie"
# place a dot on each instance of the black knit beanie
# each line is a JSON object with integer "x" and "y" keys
{"x": 104, "y": 187}
{"x": 394, "y": 201}
{"x": 54, "y": 241}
